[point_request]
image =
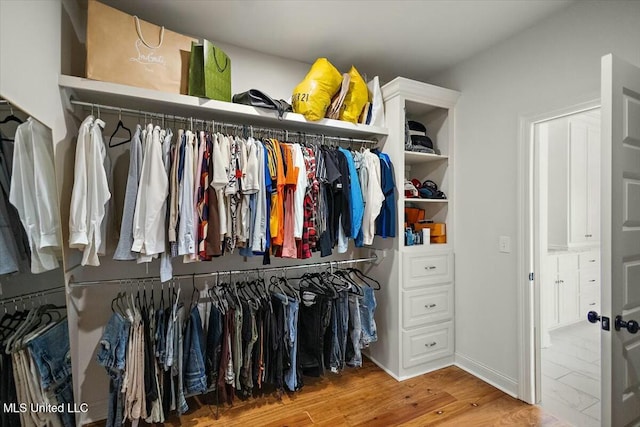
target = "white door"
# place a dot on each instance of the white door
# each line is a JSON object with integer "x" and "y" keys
{"x": 620, "y": 240}
{"x": 568, "y": 299}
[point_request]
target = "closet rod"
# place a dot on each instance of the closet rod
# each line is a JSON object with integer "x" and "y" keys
{"x": 139, "y": 113}
{"x": 31, "y": 295}
{"x": 80, "y": 284}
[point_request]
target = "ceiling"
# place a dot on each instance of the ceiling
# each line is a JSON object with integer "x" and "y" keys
{"x": 415, "y": 39}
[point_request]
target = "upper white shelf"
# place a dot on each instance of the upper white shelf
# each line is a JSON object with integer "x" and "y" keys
{"x": 124, "y": 96}
{"x": 414, "y": 157}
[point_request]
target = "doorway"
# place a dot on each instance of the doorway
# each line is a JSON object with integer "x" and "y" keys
{"x": 566, "y": 256}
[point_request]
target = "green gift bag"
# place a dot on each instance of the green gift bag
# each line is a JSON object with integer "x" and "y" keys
{"x": 209, "y": 72}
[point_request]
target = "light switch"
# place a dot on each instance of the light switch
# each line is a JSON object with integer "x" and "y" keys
{"x": 504, "y": 244}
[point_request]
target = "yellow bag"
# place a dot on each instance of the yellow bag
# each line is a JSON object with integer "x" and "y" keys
{"x": 313, "y": 95}
{"x": 356, "y": 98}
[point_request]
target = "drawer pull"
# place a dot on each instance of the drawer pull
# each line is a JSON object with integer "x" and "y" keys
{"x": 592, "y": 280}
{"x": 431, "y": 344}
{"x": 429, "y": 305}
{"x": 592, "y": 260}
{"x": 592, "y": 303}
{"x": 430, "y": 267}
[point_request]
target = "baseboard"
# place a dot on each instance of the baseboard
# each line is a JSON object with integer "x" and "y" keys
{"x": 381, "y": 366}
{"x": 487, "y": 374}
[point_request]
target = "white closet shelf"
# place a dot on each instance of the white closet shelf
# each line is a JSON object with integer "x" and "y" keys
{"x": 413, "y": 158}
{"x": 416, "y": 200}
{"x": 124, "y": 96}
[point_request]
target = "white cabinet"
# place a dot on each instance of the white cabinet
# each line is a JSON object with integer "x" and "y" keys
{"x": 560, "y": 298}
{"x": 570, "y": 287}
{"x": 416, "y": 308}
{"x": 573, "y": 181}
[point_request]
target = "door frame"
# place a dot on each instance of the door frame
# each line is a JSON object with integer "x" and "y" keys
{"x": 528, "y": 291}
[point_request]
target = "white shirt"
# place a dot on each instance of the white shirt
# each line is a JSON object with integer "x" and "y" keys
{"x": 34, "y": 194}
{"x": 90, "y": 192}
{"x": 151, "y": 201}
{"x": 299, "y": 193}
{"x": 372, "y": 194}
{"x": 186, "y": 242}
{"x": 261, "y": 221}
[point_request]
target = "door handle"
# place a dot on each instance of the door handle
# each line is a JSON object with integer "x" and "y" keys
{"x": 631, "y": 325}
{"x": 594, "y": 317}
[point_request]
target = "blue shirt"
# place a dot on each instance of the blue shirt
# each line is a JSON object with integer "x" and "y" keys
{"x": 386, "y": 221}
{"x": 355, "y": 194}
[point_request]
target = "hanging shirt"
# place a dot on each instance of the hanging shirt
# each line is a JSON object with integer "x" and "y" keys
{"x": 14, "y": 243}
{"x": 386, "y": 221}
{"x": 300, "y": 191}
{"x": 90, "y": 192}
{"x": 199, "y": 147}
{"x": 34, "y": 194}
{"x": 373, "y": 195}
{"x": 123, "y": 250}
{"x": 151, "y": 202}
{"x": 186, "y": 239}
{"x": 174, "y": 198}
{"x": 356, "y": 202}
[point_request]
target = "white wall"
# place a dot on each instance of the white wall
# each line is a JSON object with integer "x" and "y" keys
{"x": 552, "y": 65}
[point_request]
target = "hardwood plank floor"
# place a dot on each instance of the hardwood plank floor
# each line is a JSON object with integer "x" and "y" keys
{"x": 370, "y": 397}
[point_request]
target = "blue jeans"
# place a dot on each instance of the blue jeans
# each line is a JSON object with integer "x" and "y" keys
{"x": 195, "y": 378}
{"x": 354, "y": 355}
{"x": 112, "y": 355}
{"x": 291, "y": 341}
{"x": 367, "y": 305}
{"x": 340, "y": 327}
{"x": 51, "y": 354}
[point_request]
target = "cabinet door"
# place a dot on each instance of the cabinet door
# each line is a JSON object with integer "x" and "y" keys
{"x": 593, "y": 185}
{"x": 578, "y": 185}
{"x": 568, "y": 298}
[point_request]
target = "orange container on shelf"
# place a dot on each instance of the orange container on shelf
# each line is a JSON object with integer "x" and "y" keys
{"x": 438, "y": 231}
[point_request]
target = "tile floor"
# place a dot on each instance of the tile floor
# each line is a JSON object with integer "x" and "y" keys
{"x": 571, "y": 374}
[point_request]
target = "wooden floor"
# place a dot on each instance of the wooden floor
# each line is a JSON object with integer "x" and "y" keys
{"x": 370, "y": 397}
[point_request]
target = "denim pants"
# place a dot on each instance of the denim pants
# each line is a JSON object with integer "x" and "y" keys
{"x": 340, "y": 327}
{"x": 314, "y": 318}
{"x": 51, "y": 354}
{"x": 195, "y": 378}
{"x": 367, "y": 305}
{"x": 354, "y": 355}
{"x": 291, "y": 341}
{"x": 112, "y": 355}
{"x": 214, "y": 346}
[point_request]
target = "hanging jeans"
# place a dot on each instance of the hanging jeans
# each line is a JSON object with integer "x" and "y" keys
{"x": 51, "y": 353}
{"x": 214, "y": 346}
{"x": 112, "y": 356}
{"x": 314, "y": 318}
{"x": 367, "y": 305}
{"x": 291, "y": 343}
{"x": 195, "y": 378}
{"x": 339, "y": 330}
{"x": 354, "y": 355}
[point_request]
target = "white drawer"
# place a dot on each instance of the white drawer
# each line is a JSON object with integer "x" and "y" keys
{"x": 427, "y": 344}
{"x": 589, "y": 259}
{"x": 427, "y": 305}
{"x": 436, "y": 268}
{"x": 589, "y": 281}
{"x": 589, "y": 302}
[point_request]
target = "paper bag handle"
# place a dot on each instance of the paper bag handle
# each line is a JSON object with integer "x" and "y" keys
{"x": 139, "y": 31}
